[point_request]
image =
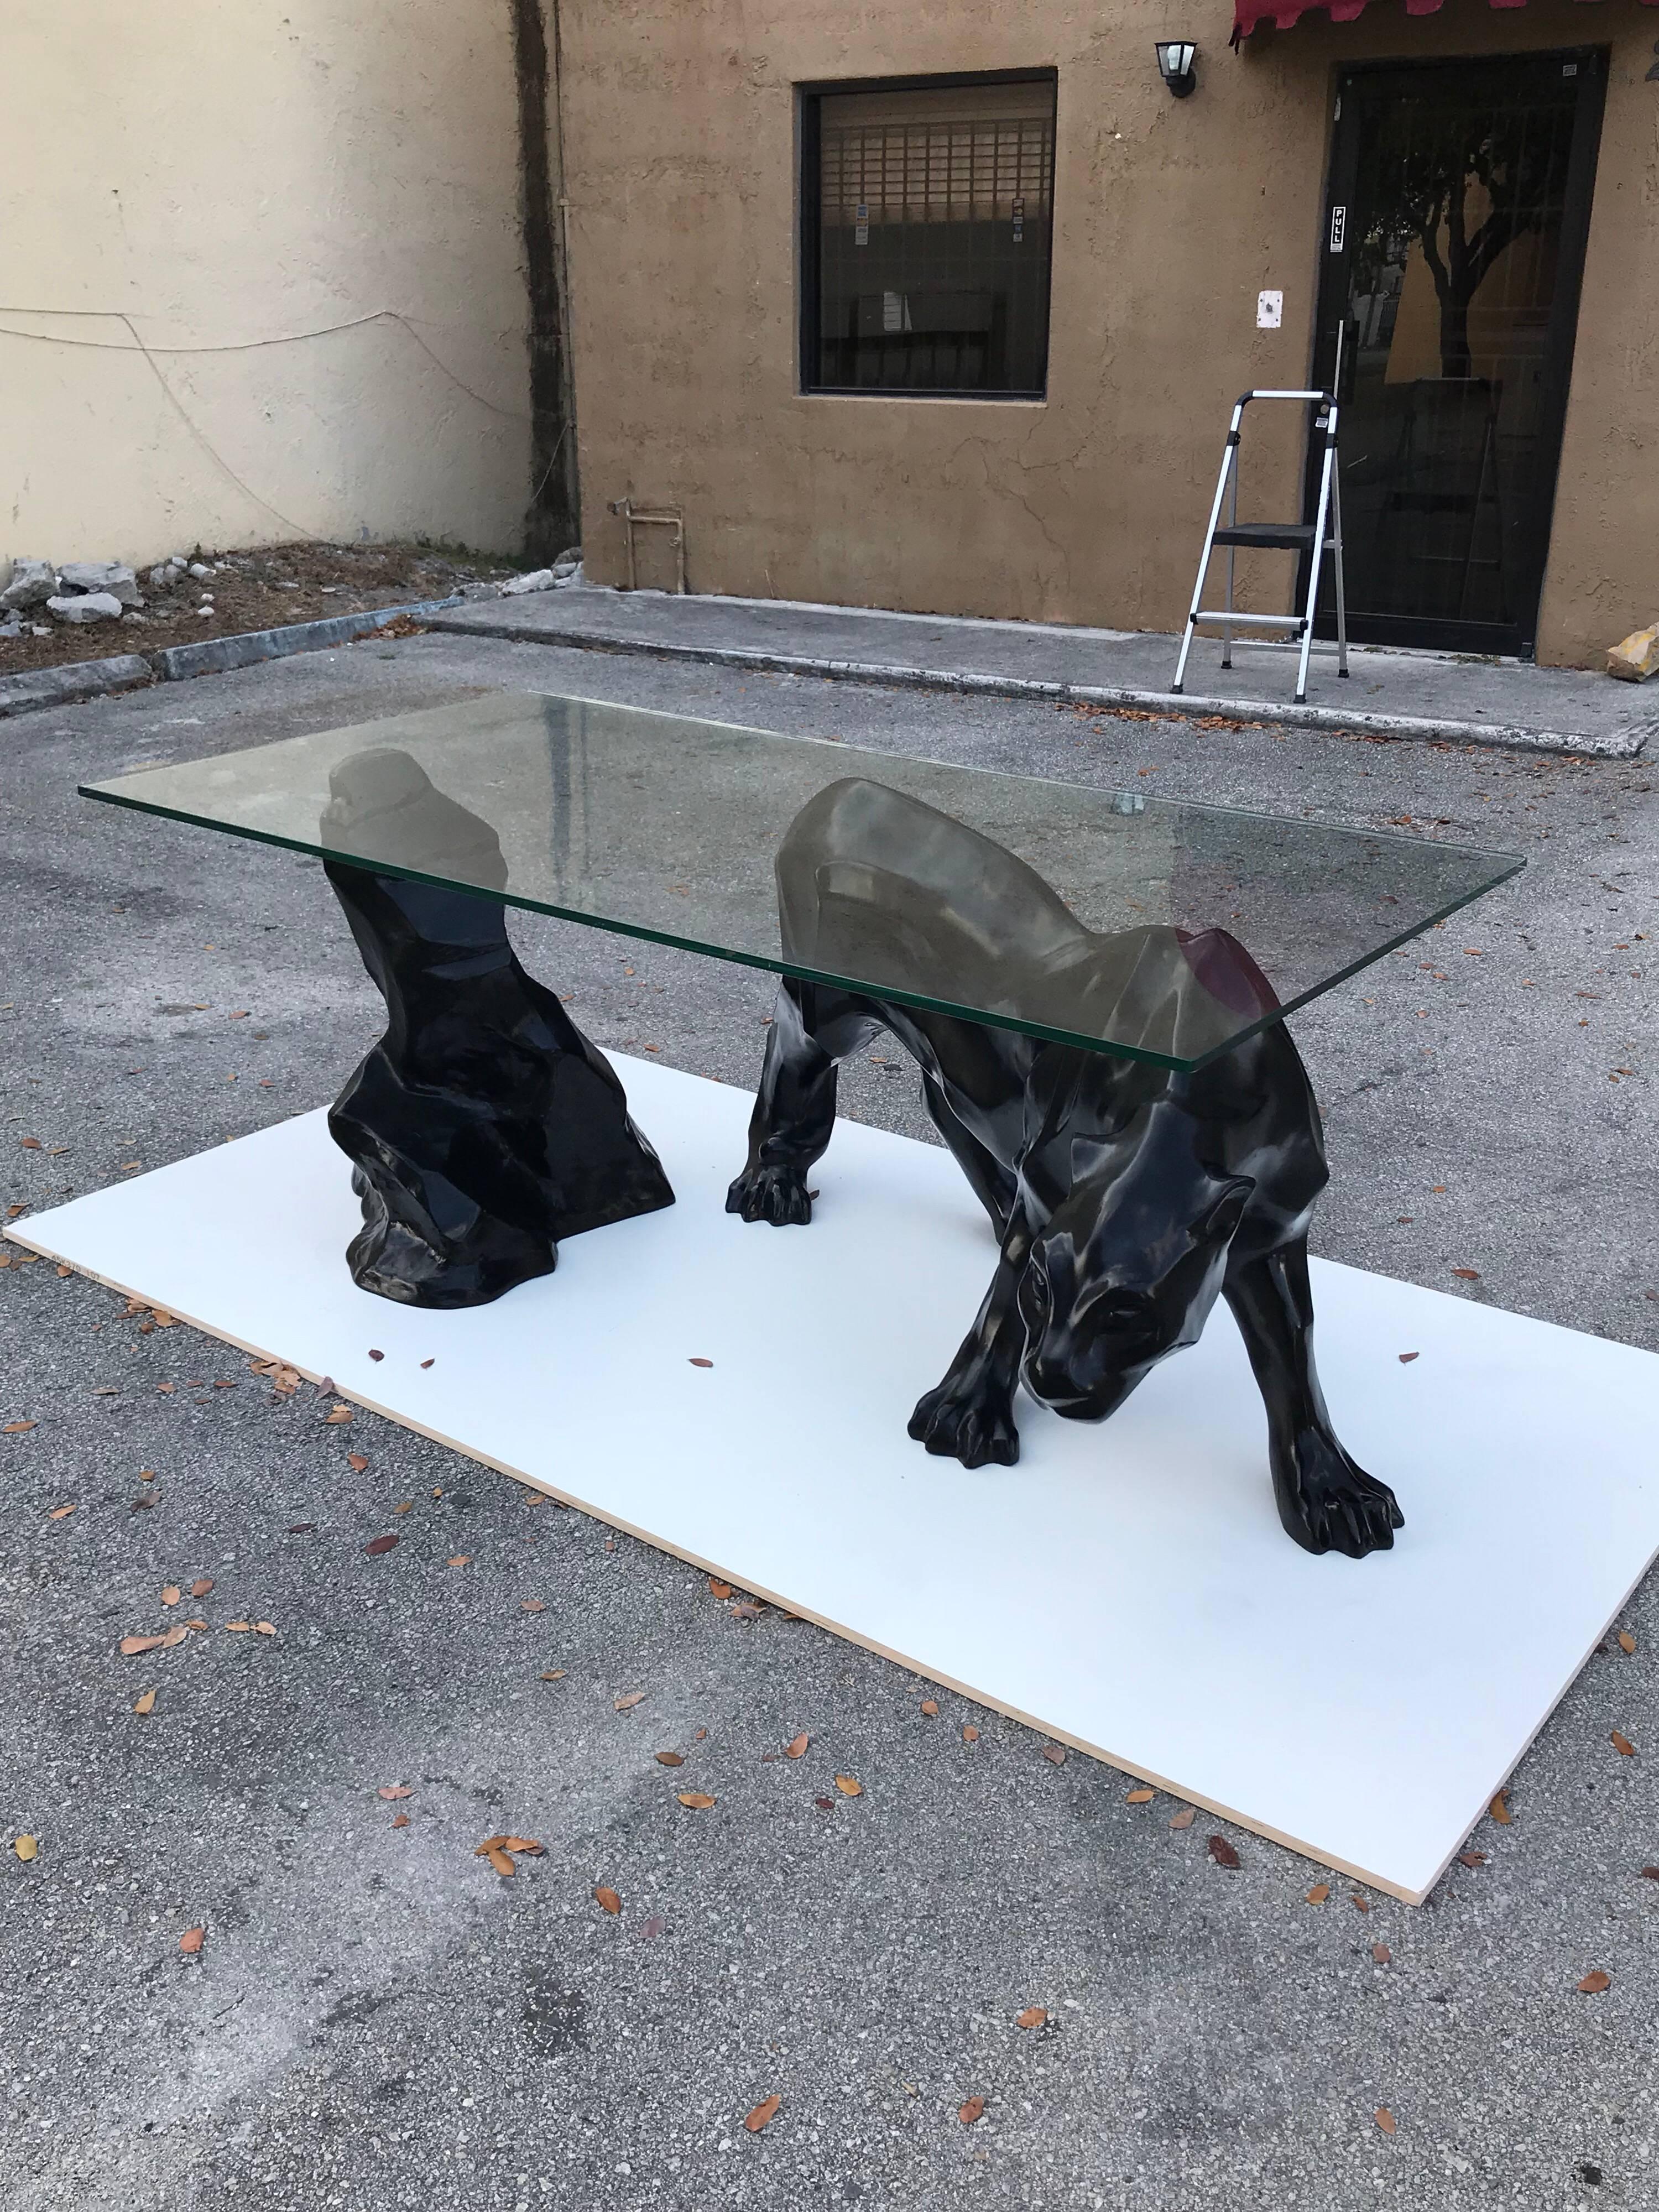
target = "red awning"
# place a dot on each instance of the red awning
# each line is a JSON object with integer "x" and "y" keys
{"x": 1247, "y": 13}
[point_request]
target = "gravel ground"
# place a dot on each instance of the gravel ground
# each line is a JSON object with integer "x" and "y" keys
{"x": 375, "y": 2019}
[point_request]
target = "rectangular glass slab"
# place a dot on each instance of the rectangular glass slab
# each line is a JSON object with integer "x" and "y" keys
{"x": 1111, "y": 921}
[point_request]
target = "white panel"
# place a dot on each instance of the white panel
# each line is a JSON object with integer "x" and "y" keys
{"x": 1126, "y": 1588}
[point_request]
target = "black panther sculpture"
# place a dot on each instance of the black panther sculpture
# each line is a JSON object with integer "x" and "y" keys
{"x": 1126, "y": 1196}
{"x": 485, "y": 1125}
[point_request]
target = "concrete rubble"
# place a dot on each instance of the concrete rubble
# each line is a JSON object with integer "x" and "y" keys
{"x": 85, "y": 607}
{"x": 1637, "y": 657}
{"x": 33, "y": 583}
{"x": 114, "y": 577}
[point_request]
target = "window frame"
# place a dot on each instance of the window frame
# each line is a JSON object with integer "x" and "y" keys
{"x": 809, "y": 190}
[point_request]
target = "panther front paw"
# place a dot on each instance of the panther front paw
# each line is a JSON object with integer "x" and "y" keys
{"x": 1328, "y": 1504}
{"x": 775, "y": 1194}
{"x": 975, "y": 1426}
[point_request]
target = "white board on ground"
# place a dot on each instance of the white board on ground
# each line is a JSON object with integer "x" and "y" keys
{"x": 1126, "y": 1587}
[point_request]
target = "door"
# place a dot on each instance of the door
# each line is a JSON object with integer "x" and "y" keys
{"x": 1453, "y": 245}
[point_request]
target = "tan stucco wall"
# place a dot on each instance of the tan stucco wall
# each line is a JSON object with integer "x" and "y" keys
{"x": 1169, "y": 218}
{"x": 228, "y": 171}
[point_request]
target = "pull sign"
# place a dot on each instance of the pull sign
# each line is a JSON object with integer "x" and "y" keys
{"x": 1019, "y": 221}
{"x": 1339, "y": 228}
{"x": 861, "y": 227}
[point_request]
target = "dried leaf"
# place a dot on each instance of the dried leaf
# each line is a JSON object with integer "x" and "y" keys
{"x": 132, "y": 1646}
{"x": 525, "y": 1844}
{"x": 18, "y": 1428}
{"x": 377, "y": 1355}
{"x": 768, "y": 2108}
{"x": 1054, "y": 1754}
{"x": 1139, "y": 1798}
{"x": 554, "y": 1675}
{"x": 338, "y": 1418}
{"x": 970, "y": 1732}
{"x": 1319, "y": 1893}
{"x": 1385, "y": 2119}
{"x": 175, "y": 1638}
{"x": 532, "y": 1605}
{"x": 192, "y": 1941}
{"x": 407, "y": 1506}
{"x": 1185, "y": 1817}
{"x": 1626, "y": 1642}
{"x": 1380, "y": 1953}
{"x": 460, "y": 1559}
{"x": 1360, "y": 1904}
{"x": 201, "y": 1586}
{"x": 627, "y": 1703}
{"x": 26, "y": 1848}
{"x": 426, "y": 1362}
{"x": 356, "y": 1462}
{"x": 1622, "y": 1745}
{"x": 607, "y": 1900}
{"x": 1471, "y": 1858}
{"x": 796, "y": 1747}
{"x": 381, "y": 1544}
{"x": 402, "y": 1821}
{"x": 969, "y": 2112}
{"x": 146, "y": 1703}
{"x": 1595, "y": 1982}
{"x": 1223, "y": 1852}
{"x": 1033, "y": 2016}
{"x": 695, "y": 1800}
{"x": 171, "y": 1593}
{"x": 60, "y": 1512}
{"x": 930, "y": 1709}
{"x": 848, "y": 1786}
{"x": 390, "y": 1790}
{"x": 697, "y": 1362}
{"x": 1650, "y": 1873}
{"x": 1499, "y": 1809}
{"x": 669, "y": 1758}
{"x": 718, "y": 1589}
{"x": 499, "y": 1859}
{"x": 1406, "y": 1358}
{"x": 1466, "y": 1275}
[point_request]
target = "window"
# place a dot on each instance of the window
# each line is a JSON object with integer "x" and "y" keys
{"x": 926, "y": 216}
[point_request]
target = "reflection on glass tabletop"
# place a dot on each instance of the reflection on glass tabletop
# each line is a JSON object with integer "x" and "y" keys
{"x": 1108, "y": 920}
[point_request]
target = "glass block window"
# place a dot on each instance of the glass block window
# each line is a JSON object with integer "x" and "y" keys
{"x": 927, "y": 214}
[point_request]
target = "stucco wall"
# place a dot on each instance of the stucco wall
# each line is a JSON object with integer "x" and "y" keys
{"x": 1169, "y": 218}
{"x": 232, "y": 173}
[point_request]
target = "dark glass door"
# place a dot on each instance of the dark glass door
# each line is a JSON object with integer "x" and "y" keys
{"x": 1453, "y": 245}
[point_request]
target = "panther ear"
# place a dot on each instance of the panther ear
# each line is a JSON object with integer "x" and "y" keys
{"x": 1226, "y": 1209}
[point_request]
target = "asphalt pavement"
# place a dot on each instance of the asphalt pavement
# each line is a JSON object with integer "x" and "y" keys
{"x": 374, "y": 2017}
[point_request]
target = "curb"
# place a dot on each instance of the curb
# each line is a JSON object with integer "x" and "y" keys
{"x": 79, "y": 679}
{"x": 1185, "y": 705}
{"x": 215, "y": 656}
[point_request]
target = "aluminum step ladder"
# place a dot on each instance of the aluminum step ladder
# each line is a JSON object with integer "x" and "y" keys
{"x": 1306, "y": 538}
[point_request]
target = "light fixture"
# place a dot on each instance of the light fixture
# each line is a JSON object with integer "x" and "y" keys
{"x": 1174, "y": 65}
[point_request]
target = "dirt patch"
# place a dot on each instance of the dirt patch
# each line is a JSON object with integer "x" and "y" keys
{"x": 263, "y": 589}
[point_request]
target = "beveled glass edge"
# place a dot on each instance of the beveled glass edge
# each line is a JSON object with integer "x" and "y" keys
{"x": 782, "y": 967}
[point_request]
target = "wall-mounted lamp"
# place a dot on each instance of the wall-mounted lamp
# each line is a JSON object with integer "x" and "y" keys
{"x": 1174, "y": 65}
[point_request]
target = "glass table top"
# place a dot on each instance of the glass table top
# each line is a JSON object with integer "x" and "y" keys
{"x": 1108, "y": 920}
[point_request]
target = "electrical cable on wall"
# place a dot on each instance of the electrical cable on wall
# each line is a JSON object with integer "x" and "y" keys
{"x": 242, "y": 345}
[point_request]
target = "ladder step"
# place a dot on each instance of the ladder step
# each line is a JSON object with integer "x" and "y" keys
{"x": 1277, "y": 536}
{"x": 1251, "y": 622}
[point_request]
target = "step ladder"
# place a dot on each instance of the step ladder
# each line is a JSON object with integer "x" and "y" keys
{"x": 1306, "y": 538}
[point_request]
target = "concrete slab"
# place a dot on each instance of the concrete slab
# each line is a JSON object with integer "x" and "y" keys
{"x": 1444, "y": 696}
